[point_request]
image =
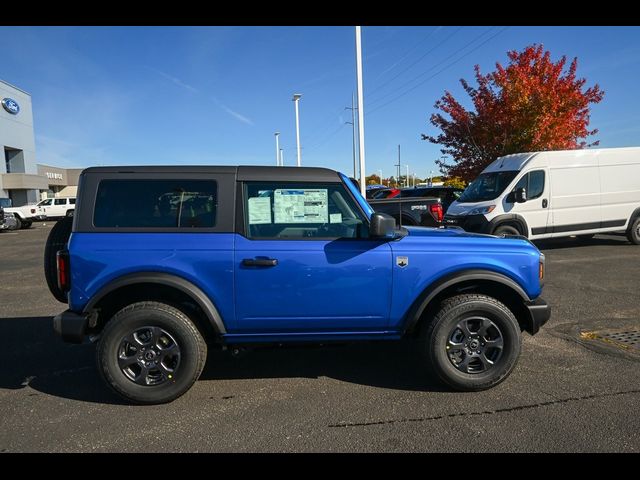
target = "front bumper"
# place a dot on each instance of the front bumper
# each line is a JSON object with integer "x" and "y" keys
{"x": 70, "y": 326}
{"x": 539, "y": 314}
{"x": 469, "y": 223}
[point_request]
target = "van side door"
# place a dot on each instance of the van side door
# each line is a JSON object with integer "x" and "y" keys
{"x": 536, "y": 208}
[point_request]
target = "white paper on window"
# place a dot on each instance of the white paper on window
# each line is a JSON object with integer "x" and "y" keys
{"x": 335, "y": 218}
{"x": 301, "y": 205}
{"x": 259, "y": 210}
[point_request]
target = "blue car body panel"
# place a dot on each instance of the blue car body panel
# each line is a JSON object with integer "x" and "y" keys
{"x": 204, "y": 259}
{"x": 317, "y": 286}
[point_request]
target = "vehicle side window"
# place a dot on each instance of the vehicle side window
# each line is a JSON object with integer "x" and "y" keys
{"x": 522, "y": 183}
{"x": 533, "y": 183}
{"x": 45, "y": 203}
{"x": 60, "y": 201}
{"x": 536, "y": 184}
{"x": 72, "y": 201}
{"x": 301, "y": 211}
{"x": 156, "y": 204}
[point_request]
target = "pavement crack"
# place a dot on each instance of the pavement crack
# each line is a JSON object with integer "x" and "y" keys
{"x": 487, "y": 412}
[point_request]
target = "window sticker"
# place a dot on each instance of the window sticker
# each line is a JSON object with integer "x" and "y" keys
{"x": 301, "y": 205}
{"x": 335, "y": 218}
{"x": 259, "y": 210}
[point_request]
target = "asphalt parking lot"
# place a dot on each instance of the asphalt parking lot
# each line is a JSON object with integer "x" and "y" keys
{"x": 572, "y": 391}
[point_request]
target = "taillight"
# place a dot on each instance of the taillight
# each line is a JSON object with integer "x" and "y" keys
{"x": 64, "y": 271}
{"x": 436, "y": 212}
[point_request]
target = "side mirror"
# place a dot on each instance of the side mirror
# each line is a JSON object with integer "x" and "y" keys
{"x": 382, "y": 225}
{"x": 520, "y": 195}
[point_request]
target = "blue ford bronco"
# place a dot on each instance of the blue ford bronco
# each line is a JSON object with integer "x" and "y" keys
{"x": 159, "y": 262}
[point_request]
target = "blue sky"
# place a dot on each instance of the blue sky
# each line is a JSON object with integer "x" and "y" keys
{"x": 216, "y": 95}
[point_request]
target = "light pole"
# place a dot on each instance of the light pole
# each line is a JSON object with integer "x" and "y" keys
{"x": 360, "y": 109}
{"x": 407, "y": 179}
{"x": 277, "y": 134}
{"x": 381, "y": 182}
{"x": 281, "y": 157}
{"x": 431, "y": 178}
{"x": 296, "y": 98}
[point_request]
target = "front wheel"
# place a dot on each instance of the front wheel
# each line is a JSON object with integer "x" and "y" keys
{"x": 473, "y": 342}
{"x": 506, "y": 230}
{"x": 150, "y": 353}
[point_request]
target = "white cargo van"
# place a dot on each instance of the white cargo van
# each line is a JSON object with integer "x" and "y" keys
{"x": 554, "y": 194}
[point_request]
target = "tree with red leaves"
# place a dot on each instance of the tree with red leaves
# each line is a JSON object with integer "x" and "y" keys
{"x": 531, "y": 105}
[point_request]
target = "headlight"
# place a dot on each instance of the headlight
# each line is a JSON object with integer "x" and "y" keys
{"x": 482, "y": 210}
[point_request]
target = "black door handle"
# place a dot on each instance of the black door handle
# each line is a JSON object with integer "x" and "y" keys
{"x": 259, "y": 262}
{"x": 544, "y": 203}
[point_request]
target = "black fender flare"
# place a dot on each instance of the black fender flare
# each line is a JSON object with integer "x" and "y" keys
{"x": 418, "y": 307}
{"x": 510, "y": 218}
{"x": 179, "y": 283}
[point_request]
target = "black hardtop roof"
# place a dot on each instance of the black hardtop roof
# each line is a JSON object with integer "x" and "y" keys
{"x": 242, "y": 172}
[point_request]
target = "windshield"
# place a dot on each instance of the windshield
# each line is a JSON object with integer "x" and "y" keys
{"x": 487, "y": 186}
{"x": 5, "y": 202}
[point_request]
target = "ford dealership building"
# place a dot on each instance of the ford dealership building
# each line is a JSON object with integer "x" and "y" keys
{"x": 21, "y": 178}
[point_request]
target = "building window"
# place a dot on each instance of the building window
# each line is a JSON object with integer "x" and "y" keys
{"x": 14, "y": 160}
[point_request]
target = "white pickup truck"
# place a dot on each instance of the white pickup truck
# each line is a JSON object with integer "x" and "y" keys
{"x": 58, "y": 207}
{"x": 24, "y": 215}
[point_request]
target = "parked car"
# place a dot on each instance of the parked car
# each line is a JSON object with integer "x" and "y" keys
{"x": 25, "y": 215}
{"x": 424, "y": 212}
{"x": 253, "y": 255}
{"x": 58, "y": 207}
{"x": 447, "y": 195}
{"x": 384, "y": 193}
{"x": 554, "y": 194}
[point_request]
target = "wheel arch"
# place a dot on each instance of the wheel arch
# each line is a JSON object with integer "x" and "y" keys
{"x": 634, "y": 215}
{"x": 491, "y": 283}
{"x": 509, "y": 219}
{"x": 155, "y": 286}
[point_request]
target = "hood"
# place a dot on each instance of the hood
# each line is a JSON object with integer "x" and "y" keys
{"x": 457, "y": 208}
{"x": 443, "y": 232}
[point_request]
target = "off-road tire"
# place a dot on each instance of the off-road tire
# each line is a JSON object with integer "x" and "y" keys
{"x": 192, "y": 348}
{"x": 434, "y": 340}
{"x": 57, "y": 240}
{"x": 26, "y": 224}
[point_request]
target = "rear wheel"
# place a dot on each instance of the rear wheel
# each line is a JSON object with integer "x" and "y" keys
{"x": 69, "y": 213}
{"x": 633, "y": 234}
{"x": 473, "y": 342}
{"x": 26, "y": 224}
{"x": 57, "y": 240}
{"x": 150, "y": 353}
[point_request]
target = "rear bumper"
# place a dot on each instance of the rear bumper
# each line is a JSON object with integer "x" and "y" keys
{"x": 539, "y": 314}
{"x": 70, "y": 326}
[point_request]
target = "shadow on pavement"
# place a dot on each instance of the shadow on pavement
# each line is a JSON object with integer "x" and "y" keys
{"x": 570, "y": 242}
{"x": 32, "y": 355}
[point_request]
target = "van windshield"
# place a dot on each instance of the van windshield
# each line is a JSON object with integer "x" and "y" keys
{"x": 487, "y": 186}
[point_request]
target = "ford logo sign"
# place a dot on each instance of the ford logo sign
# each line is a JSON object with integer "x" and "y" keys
{"x": 11, "y": 106}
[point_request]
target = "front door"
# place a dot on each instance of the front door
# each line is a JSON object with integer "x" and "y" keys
{"x": 536, "y": 209}
{"x": 305, "y": 262}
